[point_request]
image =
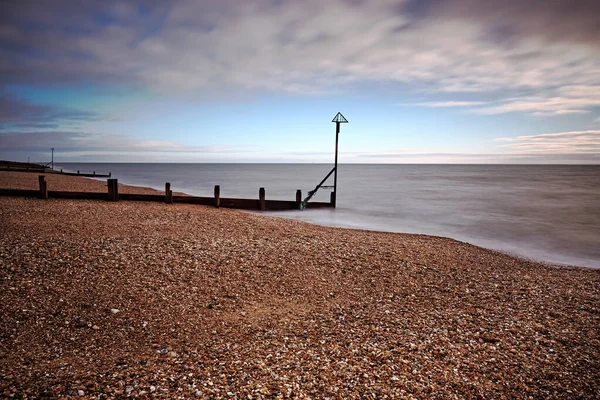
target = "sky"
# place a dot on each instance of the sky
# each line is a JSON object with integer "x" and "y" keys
{"x": 420, "y": 81}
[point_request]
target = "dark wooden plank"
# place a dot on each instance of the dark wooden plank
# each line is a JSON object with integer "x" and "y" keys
{"x": 77, "y": 195}
{"x": 278, "y": 205}
{"x": 19, "y": 192}
{"x": 205, "y": 201}
{"x": 319, "y": 205}
{"x": 242, "y": 204}
{"x": 85, "y": 175}
{"x": 141, "y": 197}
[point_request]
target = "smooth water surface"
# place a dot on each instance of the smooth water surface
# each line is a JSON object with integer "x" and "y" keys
{"x": 546, "y": 212}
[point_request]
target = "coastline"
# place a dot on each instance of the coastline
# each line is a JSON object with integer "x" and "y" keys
{"x": 267, "y": 306}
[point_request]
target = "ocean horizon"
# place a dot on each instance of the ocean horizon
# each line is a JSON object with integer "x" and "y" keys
{"x": 549, "y": 213}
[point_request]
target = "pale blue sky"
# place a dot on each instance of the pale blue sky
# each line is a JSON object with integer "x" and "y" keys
{"x": 426, "y": 81}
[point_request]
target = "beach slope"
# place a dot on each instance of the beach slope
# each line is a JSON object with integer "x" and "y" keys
{"x": 105, "y": 299}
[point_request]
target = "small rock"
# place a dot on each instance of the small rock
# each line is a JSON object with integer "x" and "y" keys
{"x": 172, "y": 354}
{"x": 80, "y": 392}
{"x": 152, "y": 389}
{"x": 115, "y": 310}
{"x": 95, "y": 327}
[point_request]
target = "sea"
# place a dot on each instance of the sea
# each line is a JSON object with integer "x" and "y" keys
{"x": 549, "y": 213}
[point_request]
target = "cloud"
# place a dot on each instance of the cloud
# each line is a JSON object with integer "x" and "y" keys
{"x": 476, "y": 158}
{"x": 302, "y": 47}
{"x": 575, "y": 142}
{"x": 565, "y": 100}
{"x": 76, "y": 142}
{"x": 573, "y": 21}
{"x": 19, "y": 113}
{"x": 436, "y": 104}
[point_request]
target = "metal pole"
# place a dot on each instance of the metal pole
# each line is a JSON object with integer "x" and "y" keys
{"x": 52, "y": 159}
{"x": 337, "y": 135}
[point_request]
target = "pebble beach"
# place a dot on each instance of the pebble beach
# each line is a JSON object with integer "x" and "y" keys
{"x": 149, "y": 300}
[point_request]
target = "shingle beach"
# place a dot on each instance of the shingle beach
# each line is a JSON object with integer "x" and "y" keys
{"x": 149, "y": 300}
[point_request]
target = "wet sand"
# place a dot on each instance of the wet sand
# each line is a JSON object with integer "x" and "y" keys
{"x": 103, "y": 300}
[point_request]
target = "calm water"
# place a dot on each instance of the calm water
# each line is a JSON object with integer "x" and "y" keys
{"x": 549, "y": 213}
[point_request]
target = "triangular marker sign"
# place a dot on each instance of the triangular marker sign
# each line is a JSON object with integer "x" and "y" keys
{"x": 339, "y": 118}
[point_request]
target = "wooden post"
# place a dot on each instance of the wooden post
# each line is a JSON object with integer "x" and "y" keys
{"x": 43, "y": 187}
{"x": 217, "y": 196}
{"x": 332, "y": 199}
{"x": 109, "y": 174}
{"x": 299, "y": 199}
{"x": 77, "y": 172}
{"x": 261, "y": 199}
{"x": 116, "y": 190}
{"x": 168, "y": 193}
{"x": 109, "y": 183}
{"x": 94, "y": 173}
{"x": 113, "y": 190}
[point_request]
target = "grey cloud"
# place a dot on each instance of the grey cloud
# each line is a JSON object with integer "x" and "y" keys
{"x": 509, "y": 20}
{"x": 575, "y": 142}
{"x": 77, "y": 142}
{"x": 304, "y": 47}
{"x": 19, "y": 113}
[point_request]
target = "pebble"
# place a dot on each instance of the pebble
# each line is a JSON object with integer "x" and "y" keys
{"x": 400, "y": 324}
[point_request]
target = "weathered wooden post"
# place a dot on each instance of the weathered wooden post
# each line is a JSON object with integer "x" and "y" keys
{"x": 217, "y": 196}
{"x": 109, "y": 183}
{"x": 43, "y": 187}
{"x": 77, "y": 172}
{"x": 113, "y": 189}
{"x": 299, "y": 199}
{"x": 261, "y": 199}
{"x": 168, "y": 193}
{"x": 94, "y": 173}
{"x": 116, "y": 190}
{"x": 332, "y": 199}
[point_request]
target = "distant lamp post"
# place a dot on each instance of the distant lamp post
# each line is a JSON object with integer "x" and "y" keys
{"x": 52, "y": 163}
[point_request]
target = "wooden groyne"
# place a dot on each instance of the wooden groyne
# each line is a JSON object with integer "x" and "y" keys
{"x": 112, "y": 194}
{"x": 14, "y": 166}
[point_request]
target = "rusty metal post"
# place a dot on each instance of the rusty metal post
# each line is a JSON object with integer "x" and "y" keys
{"x": 261, "y": 199}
